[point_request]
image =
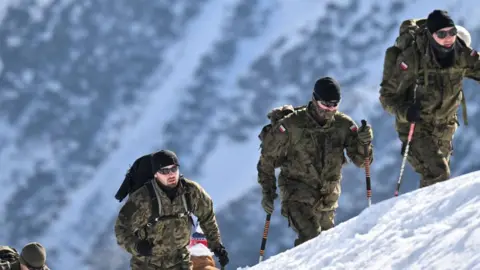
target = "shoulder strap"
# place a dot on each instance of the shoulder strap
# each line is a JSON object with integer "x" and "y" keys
{"x": 154, "y": 204}
{"x": 186, "y": 198}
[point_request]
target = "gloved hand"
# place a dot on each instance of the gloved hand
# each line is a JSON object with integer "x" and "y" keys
{"x": 268, "y": 201}
{"x": 365, "y": 134}
{"x": 144, "y": 247}
{"x": 413, "y": 113}
{"x": 221, "y": 254}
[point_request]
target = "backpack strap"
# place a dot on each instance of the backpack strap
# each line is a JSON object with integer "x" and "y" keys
{"x": 157, "y": 216}
{"x": 155, "y": 207}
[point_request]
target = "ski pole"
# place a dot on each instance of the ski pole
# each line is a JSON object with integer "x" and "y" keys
{"x": 367, "y": 169}
{"x": 264, "y": 239}
{"x": 405, "y": 154}
{"x": 407, "y": 147}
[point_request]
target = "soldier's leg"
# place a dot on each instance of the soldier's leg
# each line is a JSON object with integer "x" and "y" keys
{"x": 327, "y": 220}
{"x": 303, "y": 221}
{"x": 141, "y": 264}
{"x": 182, "y": 262}
{"x": 427, "y": 159}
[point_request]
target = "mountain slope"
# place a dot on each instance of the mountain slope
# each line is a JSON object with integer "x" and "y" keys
{"x": 86, "y": 87}
{"x": 437, "y": 227}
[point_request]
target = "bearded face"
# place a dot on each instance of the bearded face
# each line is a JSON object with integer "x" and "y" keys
{"x": 325, "y": 110}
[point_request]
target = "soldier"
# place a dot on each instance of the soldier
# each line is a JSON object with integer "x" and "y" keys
{"x": 162, "y": 242}
{"x": 425, "y": 88}
{"x": 308, "y": 145}
{"x": 201, "y": 256}
{"x": 32, "y": 257}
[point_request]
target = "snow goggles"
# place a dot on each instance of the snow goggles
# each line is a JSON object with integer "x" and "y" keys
{"x": 173, "y": 169}
{"x": 441, "y": 34}
{"x": 327, "y": 105}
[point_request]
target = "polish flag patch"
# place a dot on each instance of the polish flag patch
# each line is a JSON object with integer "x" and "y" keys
{"x": 282, "y": 129}
{"x": 474, "y": 53}
{"x": 354, "y": 128}
{"x": 403, "y": 66}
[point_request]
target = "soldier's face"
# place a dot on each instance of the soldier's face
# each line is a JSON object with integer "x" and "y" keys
{"x": 168, "y": 176}
{"x": 446, "y": 36}
{"x": 326, "y": 109}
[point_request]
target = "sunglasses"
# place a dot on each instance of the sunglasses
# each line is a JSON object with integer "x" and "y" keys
{"x": 173, "y": 169}
{"x": 327, "y": 105}
{"x": 441, "y": 34}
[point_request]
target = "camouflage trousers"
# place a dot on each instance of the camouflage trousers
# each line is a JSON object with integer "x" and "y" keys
{"x": 429, "y": 155}
{"x": 153, "y": 263}
{"x": 307, "y": 222}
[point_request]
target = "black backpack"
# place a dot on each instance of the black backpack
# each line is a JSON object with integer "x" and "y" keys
{"x": 141, "y": 174}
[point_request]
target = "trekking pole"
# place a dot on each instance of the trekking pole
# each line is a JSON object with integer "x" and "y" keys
{"x": 367, "y": 168}
{"x": 407, "y": 147}
{"x": 264, "y": 239}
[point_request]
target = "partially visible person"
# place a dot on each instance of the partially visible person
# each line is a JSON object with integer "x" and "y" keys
{"x": 200, "y": 255}
{"x": 32, "y": 257}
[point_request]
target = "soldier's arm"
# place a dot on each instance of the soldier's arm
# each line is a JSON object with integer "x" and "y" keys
{"x": 203, "y": 210}
{"x": 273, "y": 149}
{"x": 473, "y": 61}
{"x": 355, "y": 150}
{"x": 393, "y": 89}
{"x": 124, "y": 227}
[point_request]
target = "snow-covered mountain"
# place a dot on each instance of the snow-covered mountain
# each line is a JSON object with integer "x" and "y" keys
{"x": 88, "y": 86}
{"x": 437, "y": 227}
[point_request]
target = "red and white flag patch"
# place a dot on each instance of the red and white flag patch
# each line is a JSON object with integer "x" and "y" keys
{"x": 282, "y": 128}
{"x": 354, "y": 128}
{"x": 403, "y": 66}
{"x": 474, "y": 53}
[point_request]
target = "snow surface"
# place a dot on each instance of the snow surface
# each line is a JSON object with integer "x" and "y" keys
{"x": 200, "y": 250}
{"x": 437, "y": 227}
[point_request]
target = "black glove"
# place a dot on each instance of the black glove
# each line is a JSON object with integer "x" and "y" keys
{"x": 221, "y": 254}
{"x": 413, "y": 113}
{"x": 144, "y": 247}
{"x": 268, "y": 201}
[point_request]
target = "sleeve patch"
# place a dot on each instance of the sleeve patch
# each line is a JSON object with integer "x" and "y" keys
{"x": 403, "y": 66}
{"x": 354, "y": 128}
{"x": 474, "y": 53}
{"x": 282, "y": 129}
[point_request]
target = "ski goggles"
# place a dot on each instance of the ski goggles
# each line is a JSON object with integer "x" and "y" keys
{"x": 173, "y": 169}
{"x": 441, "y": 34}
{"x": 328, "y": 105}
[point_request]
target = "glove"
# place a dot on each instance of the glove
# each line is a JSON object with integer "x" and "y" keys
{"x": 221, "y": 254}
{"x": 413, "y": 113}
{"x": 144, "y": 247}
{"x": 267, "y": 202}
{"x": 365, "y": 134}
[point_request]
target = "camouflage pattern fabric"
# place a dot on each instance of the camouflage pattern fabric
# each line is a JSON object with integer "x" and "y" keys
{"x": 439, "y": 93}
{"x": 311, "y": 158}
{"x": 170, "y": 237}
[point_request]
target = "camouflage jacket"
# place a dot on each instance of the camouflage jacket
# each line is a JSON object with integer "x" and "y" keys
{"x": 310, "y": 156}
{"x": 169, "y": 236}
{"x": 439, "y": 89}
{"x": 9, "y": 266}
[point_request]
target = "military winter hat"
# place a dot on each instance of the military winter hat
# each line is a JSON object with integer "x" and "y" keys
{"x": 439, "y": 19}
{"x": 33, "y": 255}
{"x": 327, "y": 89}
{"x": 164, "y": 158}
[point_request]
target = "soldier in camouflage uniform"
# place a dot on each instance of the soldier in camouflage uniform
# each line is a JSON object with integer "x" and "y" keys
{"x": 425, "y": 88}
{"x": 308, "y": 145}
{"x": 164, "y": 244}
{"x": 32, "y": 257}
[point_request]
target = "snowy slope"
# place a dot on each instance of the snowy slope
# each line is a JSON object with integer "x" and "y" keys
{"x": 437, "y": 227}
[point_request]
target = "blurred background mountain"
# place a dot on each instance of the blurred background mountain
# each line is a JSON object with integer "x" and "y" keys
{"x": 88, "y": 86}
